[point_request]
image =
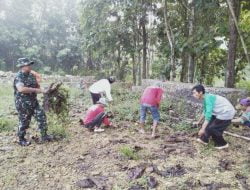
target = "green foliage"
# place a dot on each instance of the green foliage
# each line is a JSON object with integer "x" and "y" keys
{"x": 6, "y": 124}
{"x": 45, "y": 31}
{"x": 105, "y": 37}
{"x": 58, "y": 115}
{"x": 57, "y": 127}
{"x": 129, "y": 153}
{"x": 128, "y": 105}
{"x": 243, "y": 84}
{"x": 182, "y": 126}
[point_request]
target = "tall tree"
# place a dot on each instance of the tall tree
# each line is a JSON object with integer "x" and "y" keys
{"x": 191, "y": 56}
{"x": 171, "y": 40}
{"x": 232, "y": 45}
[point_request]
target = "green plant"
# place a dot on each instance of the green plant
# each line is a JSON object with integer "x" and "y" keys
{"x": 6, "y": 124}
{"x": 128, "y": 105}
{"x": 181, "y": 126}
{"x": 57, "y": 127}
{"x": 58, "y": 115}
{"x": 129, "y": 153}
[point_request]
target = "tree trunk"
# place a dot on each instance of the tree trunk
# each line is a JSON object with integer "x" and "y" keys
{"x": 134, "y": 69}
{"x": 119, "y": 63}
{"x": 135, "y": 38}
{"x": 232, "y": 45}
{"x": 171, "y": 41}
{"x": 203, "y": 69}
{"x": 144, "y": 49}
{"x": 191, "y": 64}
{"x": 139, "y": 68}
{"x": 184, "y": 54}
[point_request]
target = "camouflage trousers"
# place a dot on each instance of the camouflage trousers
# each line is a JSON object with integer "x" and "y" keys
{"x": 27, "y": 109}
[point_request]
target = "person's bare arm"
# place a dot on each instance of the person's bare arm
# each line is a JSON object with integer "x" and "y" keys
{"x": 237, "y": 120}
{"x": 27, "y": 90}
{"x": 203, "y": 128}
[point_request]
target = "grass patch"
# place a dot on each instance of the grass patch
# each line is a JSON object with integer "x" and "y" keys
{"x": 127, "y": 107}
{"x": 6, "y": 124}
{"x": 7, "y": 99}
{"x": 183, "y": 126}
{"x": 207, "y": 150}
{"x": 129, "y": 153}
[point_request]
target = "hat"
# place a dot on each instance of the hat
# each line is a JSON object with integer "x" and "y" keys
{"x": 24, "y": 62}
{"x": 102, "y": 101}
{"x": 245, "y": 102}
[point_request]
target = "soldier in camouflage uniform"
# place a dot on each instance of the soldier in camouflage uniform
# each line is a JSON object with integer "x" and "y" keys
{"x": 26, "y": 89}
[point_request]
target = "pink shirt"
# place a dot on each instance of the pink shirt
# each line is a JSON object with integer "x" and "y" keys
{"x": 92, "y": 112}
{"x": 152, "y": 96}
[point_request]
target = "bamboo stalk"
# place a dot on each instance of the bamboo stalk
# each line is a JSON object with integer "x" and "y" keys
{"x": 237, "y": 136}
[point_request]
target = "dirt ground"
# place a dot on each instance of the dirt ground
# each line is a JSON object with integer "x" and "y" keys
{"x": 172, "y": 161}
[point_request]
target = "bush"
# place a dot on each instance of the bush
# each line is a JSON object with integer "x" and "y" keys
{"x": 57, "y": 127}
{"x": 58, "y": 115}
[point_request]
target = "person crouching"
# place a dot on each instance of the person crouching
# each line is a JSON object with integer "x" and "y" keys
{"x": 245, "y": 117}
{"x": 95, "y": 116}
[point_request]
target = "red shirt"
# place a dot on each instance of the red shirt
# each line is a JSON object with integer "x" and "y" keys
{"x": 92, "y": 112}
{"x": 152, "y": 96}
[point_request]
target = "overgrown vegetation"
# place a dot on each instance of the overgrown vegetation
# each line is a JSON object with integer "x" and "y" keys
{"x": 56, "y": 102}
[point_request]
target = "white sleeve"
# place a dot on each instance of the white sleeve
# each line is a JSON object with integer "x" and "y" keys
{"x": 108, "y": 91}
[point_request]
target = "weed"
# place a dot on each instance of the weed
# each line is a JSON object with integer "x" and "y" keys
{"x": 129, "y": 153}
{"x": 57, "y": 127}
{"x": 6, "y": 124}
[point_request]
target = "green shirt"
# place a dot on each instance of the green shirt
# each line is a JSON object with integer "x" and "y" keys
{"x": 218, "y": 106}
{"x": 208, "y": 106}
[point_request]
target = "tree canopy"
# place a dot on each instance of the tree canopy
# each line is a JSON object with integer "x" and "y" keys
{"x": 184, "y": 40}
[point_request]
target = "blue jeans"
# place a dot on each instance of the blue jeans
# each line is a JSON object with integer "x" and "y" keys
{"x": 154, "y": 111}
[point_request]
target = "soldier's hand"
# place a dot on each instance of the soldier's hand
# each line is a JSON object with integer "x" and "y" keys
{"x": 40, "y": 90}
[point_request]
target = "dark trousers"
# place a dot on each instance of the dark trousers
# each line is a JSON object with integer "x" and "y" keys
{"x": 97, "y": 121}
{"x": 247, "y": 123}
{"x": 95, "y": 97}
{"x": 215, "y": 130}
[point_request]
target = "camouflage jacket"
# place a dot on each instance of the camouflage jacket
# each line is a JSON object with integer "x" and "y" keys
{"x": 27, "y": 80}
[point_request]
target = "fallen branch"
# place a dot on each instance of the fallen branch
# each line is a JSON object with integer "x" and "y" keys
{"x": 237, "y": 136}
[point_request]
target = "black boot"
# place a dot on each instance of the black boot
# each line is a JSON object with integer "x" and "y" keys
{"x": 23, "y": 141}
{"x": 47, "y": 138}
